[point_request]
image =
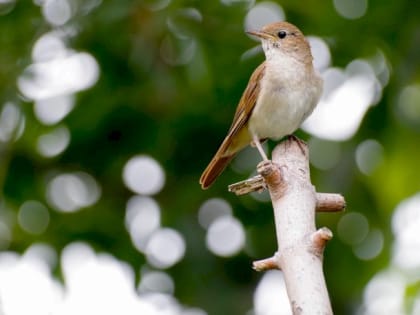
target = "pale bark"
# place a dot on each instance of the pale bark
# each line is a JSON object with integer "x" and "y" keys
{"x": 300, "y": 244}
{"x": 325, "y": 202}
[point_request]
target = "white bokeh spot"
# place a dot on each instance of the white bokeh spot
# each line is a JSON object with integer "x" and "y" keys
{"x": 212, "y": 209}
{"x": 406, "y": 227}
{"x": 142, "y": 218}
{"x": 165, "y": 248}
{"x": 143, "y": 175}
{"x": 347, "y": 97}
{"x": 54, "y": 142}
{"x": 60, "y": 76}
{"x": 71, "y": 192}
{"x": 225, "y": 236}
{"x": 270, "y": 297}
{"x": 263, "y": 13}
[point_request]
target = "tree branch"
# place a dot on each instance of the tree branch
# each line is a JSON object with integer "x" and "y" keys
{"x": 268, "y": 263}
{"x": 300, "y": 245}
{"x": 325, "y": 202}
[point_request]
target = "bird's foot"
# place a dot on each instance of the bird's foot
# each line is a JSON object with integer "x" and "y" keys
{"x": 302, "y": 144}
{"x": 265, "y": 167}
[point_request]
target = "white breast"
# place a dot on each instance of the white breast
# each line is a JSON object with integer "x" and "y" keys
{"x": 287, "y": 97}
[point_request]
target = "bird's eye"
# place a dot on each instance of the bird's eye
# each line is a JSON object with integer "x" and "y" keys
{"x": 282, "y": 34}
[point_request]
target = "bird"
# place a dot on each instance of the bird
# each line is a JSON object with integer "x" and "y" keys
{"x": 281, "y": 93}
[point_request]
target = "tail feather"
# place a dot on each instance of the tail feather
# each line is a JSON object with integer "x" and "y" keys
{"x": 213, "y": 170}
{"x": 233, "y": 143}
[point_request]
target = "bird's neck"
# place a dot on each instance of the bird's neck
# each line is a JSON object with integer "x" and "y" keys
{"x": 288, "y": 55}
{"x": 287, "y": 68}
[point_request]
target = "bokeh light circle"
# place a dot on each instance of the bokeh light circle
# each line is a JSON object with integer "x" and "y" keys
{"x": 270, "y": 297}
{"x": 371, "y": 247}
{"x": 156, "y": 281}
{"x": 262, "y": 14}
{"x": 54, "y": 142}
{"x": 408, "y": 105}
{"x": 405, "y": 226}
{"x": 142, "y": 218}
{"x": 143, "y": 175}
{"x": 33, "y": 217}
{"x": 369, "y": 155}
{"x": 320, "y": 52}
{"x": 351, "y": 9}
{"x": 353, "y": 228}
{"x": 51, "y": 110}
{"x": 212, "y": 209}
{"x": 225, "y": 236}
{"x": 165, "y": 248}
{"x": 71, "y": 192}
{"x": 12, "y": 122}
{"x": 57, "y": 12}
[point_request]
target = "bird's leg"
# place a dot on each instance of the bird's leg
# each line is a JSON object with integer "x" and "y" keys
{"x": 257, "y": 143}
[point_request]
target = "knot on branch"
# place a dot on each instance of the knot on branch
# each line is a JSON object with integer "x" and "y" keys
{"x": 272, "y": 177}
{"x": 319, "y": 239}
{"x": 268, "y": 263}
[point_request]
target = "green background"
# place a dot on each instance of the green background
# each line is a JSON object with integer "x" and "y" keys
{"x": 179, "y": 113}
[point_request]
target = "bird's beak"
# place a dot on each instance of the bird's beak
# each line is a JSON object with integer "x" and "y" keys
{"x": 260, "y": 34}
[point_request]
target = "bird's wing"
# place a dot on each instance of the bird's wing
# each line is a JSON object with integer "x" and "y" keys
{"x": 248, "y": 100}
{"x": 238, "y": 136}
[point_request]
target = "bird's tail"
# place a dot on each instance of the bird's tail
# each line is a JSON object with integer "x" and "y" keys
{"x": 213, "y": 170}
{"x": 233, "y": 143}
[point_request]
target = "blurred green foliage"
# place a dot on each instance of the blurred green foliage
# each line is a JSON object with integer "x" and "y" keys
{"x": 147, "y": 103}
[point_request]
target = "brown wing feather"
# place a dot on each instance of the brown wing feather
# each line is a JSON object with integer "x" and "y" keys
{"x": 247, "y": 102}
{"x": 234, "y": 141}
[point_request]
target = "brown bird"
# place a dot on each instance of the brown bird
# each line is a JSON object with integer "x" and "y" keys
{"x": 281, "y": 93}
